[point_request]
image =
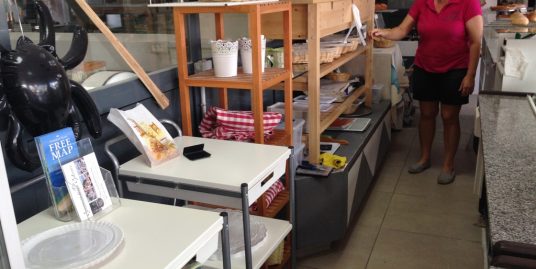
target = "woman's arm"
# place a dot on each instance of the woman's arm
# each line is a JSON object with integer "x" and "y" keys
{"x": 474, "y": 28}
{"x": 396, "y": 33}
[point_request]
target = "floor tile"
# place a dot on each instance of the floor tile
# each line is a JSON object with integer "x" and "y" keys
{"x": 351, "y": 254}
{"x": 388, "y": 178}
{"x": 429, "y": 215}
{"x": 410, "y": 221}
{"x": 425, "y": 184}
{"x": 401, "y": 250}
{"x": 375, "y": 209}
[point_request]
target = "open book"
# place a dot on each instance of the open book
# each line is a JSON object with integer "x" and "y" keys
{"x": 146, "y": 133}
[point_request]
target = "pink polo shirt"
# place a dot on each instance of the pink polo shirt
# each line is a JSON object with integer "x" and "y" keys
{"x": 443, "y": 39}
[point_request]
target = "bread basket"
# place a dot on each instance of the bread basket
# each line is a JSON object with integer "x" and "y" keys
{"x": 380, "y": 42}
{"x": 339, "y": 76}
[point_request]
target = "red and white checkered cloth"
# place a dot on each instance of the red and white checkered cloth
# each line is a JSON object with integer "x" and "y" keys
{"x": 270, "y": 194}
{"x": 235, "y": 125}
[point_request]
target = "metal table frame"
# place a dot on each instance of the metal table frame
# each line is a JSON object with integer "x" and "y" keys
{"x": 173, "y": 190}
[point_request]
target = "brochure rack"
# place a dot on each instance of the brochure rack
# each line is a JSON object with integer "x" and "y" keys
{"x": 85, "y": 148}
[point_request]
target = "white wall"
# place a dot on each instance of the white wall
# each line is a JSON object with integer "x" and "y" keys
{"x": 236, "y": 26}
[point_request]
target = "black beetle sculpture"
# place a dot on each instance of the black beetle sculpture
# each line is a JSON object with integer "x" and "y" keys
{"x": 35, "y": 93}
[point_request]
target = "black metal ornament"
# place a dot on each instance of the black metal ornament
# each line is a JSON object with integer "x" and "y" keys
{"x": 35, "y": 93}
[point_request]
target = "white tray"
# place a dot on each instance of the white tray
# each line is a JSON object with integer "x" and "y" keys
{"x": 79, "y": 245}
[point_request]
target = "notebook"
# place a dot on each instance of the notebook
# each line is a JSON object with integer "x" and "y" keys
{"x": 358, "y": 125}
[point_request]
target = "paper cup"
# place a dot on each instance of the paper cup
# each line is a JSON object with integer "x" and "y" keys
{"x": 246, "y": 54}
{"x": 224, "y": 57}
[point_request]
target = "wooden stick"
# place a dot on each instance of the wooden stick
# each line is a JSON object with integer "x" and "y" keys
{"x": 161, "y": 99}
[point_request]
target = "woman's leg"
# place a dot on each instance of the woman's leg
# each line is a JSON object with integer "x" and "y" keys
{"x": 427, "y": 123}
{"x": 451, "y": 125}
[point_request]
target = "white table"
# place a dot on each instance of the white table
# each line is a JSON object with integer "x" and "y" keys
{"x": 234, "y": 176}
{"x": 156, "y": 235}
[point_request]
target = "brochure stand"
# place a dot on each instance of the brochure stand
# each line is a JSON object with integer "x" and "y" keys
{"x": 78, "y": 195}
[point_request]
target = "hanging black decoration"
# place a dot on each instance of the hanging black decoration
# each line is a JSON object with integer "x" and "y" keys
{"x": 35, "y": 93}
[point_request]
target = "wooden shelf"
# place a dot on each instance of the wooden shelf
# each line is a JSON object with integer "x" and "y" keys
{"x": 256, "y": 82}
{"x": 334, "y": 16}
{"x": 270, "y": 77}
{"x": 329, "y": 67}
{"x": 279, "y": 138}
{"x": 312, "y": 20}
{"x": 327, "y": 118}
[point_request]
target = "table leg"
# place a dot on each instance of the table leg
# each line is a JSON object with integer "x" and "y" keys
{"x": 245, "y": 219}
{"x": 226, "y": 253}
{"x": 292, "y": 209}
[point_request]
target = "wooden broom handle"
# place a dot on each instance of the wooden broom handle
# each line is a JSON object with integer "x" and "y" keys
{"x": 161, "y": 99}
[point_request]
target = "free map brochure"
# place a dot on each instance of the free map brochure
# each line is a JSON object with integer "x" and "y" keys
{"x": 86, "y": 186}
{"x": 55, "y": 148}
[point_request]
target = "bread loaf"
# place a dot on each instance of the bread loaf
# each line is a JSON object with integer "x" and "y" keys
{"x": 532, "y": 16}
{"x": 519, "y": 19}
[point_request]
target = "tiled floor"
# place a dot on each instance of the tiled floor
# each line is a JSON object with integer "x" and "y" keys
{"x": 409, "y": 221}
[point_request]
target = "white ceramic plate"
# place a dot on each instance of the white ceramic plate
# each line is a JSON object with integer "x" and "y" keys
{"x": 102, "y": 78}
{"x": 79, "y": 245}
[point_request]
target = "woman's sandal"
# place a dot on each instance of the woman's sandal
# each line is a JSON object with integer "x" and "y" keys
{"x": 446, "y": 178}
{"x": 418, "y": 167}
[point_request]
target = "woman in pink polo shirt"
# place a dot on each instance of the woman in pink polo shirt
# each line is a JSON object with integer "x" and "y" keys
{"x": 450, "y": 34}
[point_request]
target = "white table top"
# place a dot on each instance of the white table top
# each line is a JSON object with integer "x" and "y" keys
{"x": 231, "y": 164}
{"x": 276, "y": 230}
{"x": 156, "y": 235}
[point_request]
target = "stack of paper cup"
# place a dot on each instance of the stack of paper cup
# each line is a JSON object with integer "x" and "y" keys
{"x": 225, "y": 57}
{"x": 246, "y": 54}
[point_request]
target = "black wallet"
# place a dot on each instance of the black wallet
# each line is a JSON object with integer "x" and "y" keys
{"x": 195, "y": 152}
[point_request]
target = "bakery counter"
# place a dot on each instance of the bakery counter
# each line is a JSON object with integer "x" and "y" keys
{"x": 509, "y": 145}
{"x": 338, "y": 197}
{"x": 492, "y": 68}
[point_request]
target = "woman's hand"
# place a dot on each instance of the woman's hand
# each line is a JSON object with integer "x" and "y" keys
{"x": 468, "y": 85}
{"x": 379, "y": 33}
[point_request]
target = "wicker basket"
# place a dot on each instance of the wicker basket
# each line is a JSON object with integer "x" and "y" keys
{"x": 383, "y": 43}
{"x": 300, "y": 68}
{"x": 300, "y": 54}
{"x": 343, "y": 77}
{"x": 277, "y": 255}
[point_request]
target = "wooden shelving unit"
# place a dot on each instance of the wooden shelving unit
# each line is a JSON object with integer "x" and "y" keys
{"x": 256, "y": 82}
{"x": 312, "y": 20}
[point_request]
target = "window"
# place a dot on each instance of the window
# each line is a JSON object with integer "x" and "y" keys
{"x": 146, "y": 32}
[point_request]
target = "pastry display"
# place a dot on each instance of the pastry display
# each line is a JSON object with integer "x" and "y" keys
{"x": 507, "y": 7}
{"x": 531, "y": 16}
{"x": 519, "y": 19}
